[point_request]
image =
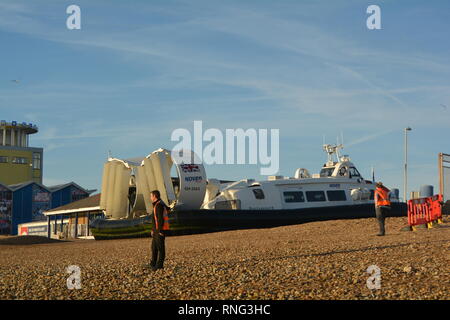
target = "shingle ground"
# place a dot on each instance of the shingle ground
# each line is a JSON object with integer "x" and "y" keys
{"x": 319, "y": 260}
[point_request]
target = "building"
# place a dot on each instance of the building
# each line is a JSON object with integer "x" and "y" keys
{"x": 23, "y": 198}
{"x": 66, "y": 193}
{"x": 68, "y": 221}
{"x": 29, "y": 201}
{"x": 19, "y": 162}
{"x": 26, "y": 202}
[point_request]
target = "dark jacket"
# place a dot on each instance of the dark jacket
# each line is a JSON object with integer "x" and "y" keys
{"x": 159, "y": 215}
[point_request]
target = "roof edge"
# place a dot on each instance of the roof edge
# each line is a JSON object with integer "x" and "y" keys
{"x": 26, "y": 184}
{"x": 68, "y": 211}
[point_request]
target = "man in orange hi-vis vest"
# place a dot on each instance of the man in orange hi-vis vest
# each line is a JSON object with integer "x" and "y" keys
{"x": 382, "y": 205}
{"x": 160, "y": 224}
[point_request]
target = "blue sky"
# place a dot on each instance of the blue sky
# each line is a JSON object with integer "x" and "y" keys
{"x": 137, "y": 70}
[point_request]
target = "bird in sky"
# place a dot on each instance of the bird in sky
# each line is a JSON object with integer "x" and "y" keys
{"x": 444, "y": 106}
{"x": 15, "y": 81}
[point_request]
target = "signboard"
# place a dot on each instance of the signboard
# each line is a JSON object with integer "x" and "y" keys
{"x": 33, "y": 230}
{"x": 5, "y": 210}
{"x": 37, "y": 230}
{"x": 17, "y": 124}
{"x": 41, "y": 203}
{"x": 23, "y": 231}
{"x": 41, "y": 197}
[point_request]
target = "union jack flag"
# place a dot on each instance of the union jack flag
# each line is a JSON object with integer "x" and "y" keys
{"x": 190, "y": 168}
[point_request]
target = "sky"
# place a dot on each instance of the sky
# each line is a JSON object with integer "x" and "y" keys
{"x": 138, "y": 70}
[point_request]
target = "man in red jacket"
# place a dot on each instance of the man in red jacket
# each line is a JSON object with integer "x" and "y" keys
{"x": 160, "y": 224}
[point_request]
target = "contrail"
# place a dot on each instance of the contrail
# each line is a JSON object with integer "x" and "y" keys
{"x": 368, "y": 138}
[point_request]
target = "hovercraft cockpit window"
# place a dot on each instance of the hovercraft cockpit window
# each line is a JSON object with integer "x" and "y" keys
{"x": 353, "y": 172}
{"x": 326, "y": 172}
{"x": 259, "y": 194}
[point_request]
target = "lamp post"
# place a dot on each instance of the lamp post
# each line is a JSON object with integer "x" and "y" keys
{"x": 405, "y": 191}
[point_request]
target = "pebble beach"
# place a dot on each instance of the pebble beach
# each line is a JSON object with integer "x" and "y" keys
{"x": 311, "y": 261}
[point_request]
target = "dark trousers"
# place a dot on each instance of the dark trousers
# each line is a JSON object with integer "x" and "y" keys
{"x": 158, "y": 250}
{"x": 381, "y": 216}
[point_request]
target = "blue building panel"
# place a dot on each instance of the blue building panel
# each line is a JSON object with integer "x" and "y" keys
{"x": 21, "y": 207}
{"x": 67, "y": 195}
{"x": 30, "y": 200}
{"x": 29, "y": 203}
{"x": 59, "y": 198}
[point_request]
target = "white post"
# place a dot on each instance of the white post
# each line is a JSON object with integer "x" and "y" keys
{"x": 405, "y": 191}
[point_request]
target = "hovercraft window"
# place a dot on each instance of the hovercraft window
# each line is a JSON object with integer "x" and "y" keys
{"x": 259, "y": 194}
{"x": 294, "y": 196}
{"x": 315, "y": 196}
{"x": 353, "y": 172}
{"x": 326, "y": 172}
{"x": 336, "y": 195}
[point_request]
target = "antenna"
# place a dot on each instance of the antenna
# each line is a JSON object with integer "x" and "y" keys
{"x": 342, "y": 137}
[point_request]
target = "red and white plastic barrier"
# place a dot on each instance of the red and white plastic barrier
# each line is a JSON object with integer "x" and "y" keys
{"x": 425, "y": 210}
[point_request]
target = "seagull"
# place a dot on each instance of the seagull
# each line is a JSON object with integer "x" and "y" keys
{"x": 15, "y": 81}
{"x": 444, "y": 106}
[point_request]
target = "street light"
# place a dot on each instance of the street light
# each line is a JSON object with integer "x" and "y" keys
{"x": 405, "y": 191}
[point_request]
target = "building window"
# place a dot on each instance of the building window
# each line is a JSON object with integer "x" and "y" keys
{"x": 315, "y": 196}
{"x": 3, "y": 159}
{"x": 36, "y": 160}
{"x": 294, "y": 196}
{"x": 336, "y": 195}
{"x": 259, "y": 194}
{"x": 19, "y": 160}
